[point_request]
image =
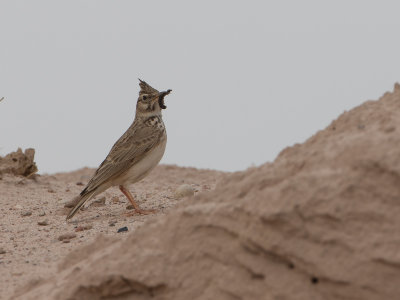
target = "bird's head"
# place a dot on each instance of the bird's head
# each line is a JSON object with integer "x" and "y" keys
{"x": 150, "y": 101}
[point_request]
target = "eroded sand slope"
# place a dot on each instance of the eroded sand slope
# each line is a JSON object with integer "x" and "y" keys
{"x": 320, "y": 222}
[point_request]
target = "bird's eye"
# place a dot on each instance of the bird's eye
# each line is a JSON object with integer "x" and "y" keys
{"x": 144, "y": 97}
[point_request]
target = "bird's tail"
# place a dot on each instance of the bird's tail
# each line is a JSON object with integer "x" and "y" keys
{"x": 80, "y": 203}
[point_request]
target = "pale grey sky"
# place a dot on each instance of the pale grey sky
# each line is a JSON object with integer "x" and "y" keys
{"x": 248, "y": 77}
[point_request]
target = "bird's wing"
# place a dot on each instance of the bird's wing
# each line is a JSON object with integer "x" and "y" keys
{"x": 131, "y": 147}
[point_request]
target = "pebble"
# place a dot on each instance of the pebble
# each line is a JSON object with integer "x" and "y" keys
{"x": 41, "y": 214}
{"x": 26, "y": 213}
{"x": 2, "y": 251}
{"x": 18, "y": 206}
{"x": 43, "y": 223}
{"x": 184, "y": 190}
{"x": 390, "y": 129}
{"x": 129, "y": 207}
{"x": 99, "y": 202}
{"x": 122, "y": 229}
{"x": 112, "y": 223}
{"x": 84, "y": 227}
{"x": 71, "y": 203}
{"x": 115, "y": 199}
{"x": 50, "y": 191}
{"x": 206, "y": 187}
{"x": 66, "y": 236}
{"x": 79, "y": 183}
{"x": 102, "y": 200}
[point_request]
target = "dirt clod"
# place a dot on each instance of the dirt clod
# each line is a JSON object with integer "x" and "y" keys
{"x": 43, "y": 223}
{"x": 99, "y": 202}
{"x": 115, "y": 199}
{"x": 184, "y": 190}
{"x": 19, "y": 163}
{"x": 84, "y": 227}
{"x": 26, "y": 213}
{"x": 66, "y": 236}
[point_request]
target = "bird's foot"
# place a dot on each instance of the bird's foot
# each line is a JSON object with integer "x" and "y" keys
{"x": 140, "y": 212}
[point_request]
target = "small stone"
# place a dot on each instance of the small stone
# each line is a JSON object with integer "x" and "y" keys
{"x": 184, "y": 190}
{"x": 129, "y": 207}
{"x": 115, "y": 199}
{"x": 18, "y": 206}
{"x": 43, "y": 223}
{"x": 102, "y": 200}
{"x": 79, "y": 183}
{"x": 72, "y": 202}
{"x": 26, "y": 213}
{"x": 390, "y": 129}
{"x": 50, "y": 191}
{"x": 112, "y": 223}
{"x": 314, "y": 280}
{"x": 2, "y": 251}
{"x": 69, "y": 204}
{"x": 17, "y": 273}
{"x": 99, "y": 202}
{"x": 66, "y": 236}
{"x": 122, "y": 229}
{"x": 84, "y": 227}
{"x": 42, "y": 213}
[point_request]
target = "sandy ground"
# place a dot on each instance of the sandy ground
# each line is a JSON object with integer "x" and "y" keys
{"x": 30, "y": 252}
{"x": 321, "y": 222}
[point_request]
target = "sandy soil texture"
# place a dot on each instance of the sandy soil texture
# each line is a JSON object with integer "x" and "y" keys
{"x": 32, "y": 216}
{"x": 320, "y": 222}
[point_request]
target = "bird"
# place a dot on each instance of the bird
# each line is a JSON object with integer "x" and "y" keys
{"x": 134, "y": 154}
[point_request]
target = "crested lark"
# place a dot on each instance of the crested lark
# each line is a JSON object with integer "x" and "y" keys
{"x": 136, "y": 152}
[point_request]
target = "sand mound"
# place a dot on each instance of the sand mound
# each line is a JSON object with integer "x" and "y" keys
{"x": 321, "y": 222}
{"x": 19, "y": 163}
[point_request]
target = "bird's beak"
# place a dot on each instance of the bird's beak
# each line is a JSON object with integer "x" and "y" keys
{"x": 161, "y": 96}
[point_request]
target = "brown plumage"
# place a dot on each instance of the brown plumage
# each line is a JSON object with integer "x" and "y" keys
{"x": 135, "y": 153}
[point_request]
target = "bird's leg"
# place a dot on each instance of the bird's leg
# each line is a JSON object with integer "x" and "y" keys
{"x": 134, "y": 204}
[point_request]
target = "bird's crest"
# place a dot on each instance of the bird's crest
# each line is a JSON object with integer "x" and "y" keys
{"x": 146, "y": 88}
